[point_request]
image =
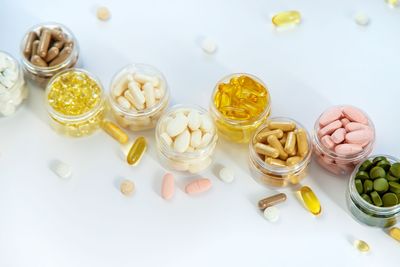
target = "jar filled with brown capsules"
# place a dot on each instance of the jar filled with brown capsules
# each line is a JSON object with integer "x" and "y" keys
{"x": 47, "y": 49}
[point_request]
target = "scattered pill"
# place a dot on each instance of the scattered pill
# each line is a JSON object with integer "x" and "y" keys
{"x": 208, "y": 45}
{"x": 271, "y": 214}
{"x": 271, "y": 201}
{"x": 395, "y": 233}
{"x": 286, "y": 18}
{"x": 198, "y": 186}
{"x": 226, "y": 175}
{"x": 127, "y": 187}
{"x": 361, "y": 245}
{"x": 310, "y": 200}
{"x": 168, "y": 186}
{"x": 137, "y": 150}
{"x": 103, "y": 13}
{"x": 62, "y": 170}
{"x": 115, "y": 132}
{"x": 361, "y": 19}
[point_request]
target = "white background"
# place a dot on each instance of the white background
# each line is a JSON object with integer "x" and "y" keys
{"x": 86, "y": 221}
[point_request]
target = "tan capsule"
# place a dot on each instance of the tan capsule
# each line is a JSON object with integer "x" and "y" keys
{"x": 283, "y": 139}
{"x": 115, "y": 132}
{"x": 35, "y": 45}
{"x": 262, "y": 136}
{"x": 302, "y": 142}
{"x": 274, "y": 142}
{"x": 38, "y": 61}
{"x": 294, "y": 153}
{"x": 44, "y": 43}
{"x": 51, "y": 54}
{"x": 58, "y": 44}
{"x": 285, "y": 126}
{"x": 271, "y": 201}
{"x": 290, "y": 144}
{"x": 62, "y": 56}
{"x": 266, "y": 150}
{"x": 32, "y": 36}
{"x": 275, "y": 162}
{"x": 69, "y": 43}
{"x": 293, "y": 160}
{"x": 57, "y": 35}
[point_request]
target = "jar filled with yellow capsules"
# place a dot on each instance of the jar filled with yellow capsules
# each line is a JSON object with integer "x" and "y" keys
{"x": 75, "y": 102}
{"x": 239, "y": 104}
{"x": 280, "y": 152}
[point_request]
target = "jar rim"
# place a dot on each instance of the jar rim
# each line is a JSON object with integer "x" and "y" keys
{"x": 356, "y": 197}
{"x": 145, "y": 112}
{"x": 72, "y": 118}
{"x": 262, "y": 115}
{"x": 277, "y": 169}
{"x": 357, "y": 156}
{"x": 19, "y": 74}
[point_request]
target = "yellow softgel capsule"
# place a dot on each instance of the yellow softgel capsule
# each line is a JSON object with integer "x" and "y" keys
{"x": 286, "y": 18}
{"x": 137, "y": 150}
{"x": 395, "y": 233}
{"x": 115, "y": 132}
{"x": 310, "y": 200}
{"x": 361, "y": 245}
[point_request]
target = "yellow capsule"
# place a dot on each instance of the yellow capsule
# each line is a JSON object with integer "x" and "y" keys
{"x": 283, "y": 139}
{"x": 286, "y": 18}
{"x": 274, "y": 142}
{"x": 293, "y": 160}
{"x": 266, "y": 150}
{"x": 361, "y": 245}
{"x": 275, "y": 162}
{"x": 137, "y": 150}
{"x": 262, "y": 136}
{"x": 395, "y": 233}
{"x": 235, "y": 113}
{"x": 290, "y": 144}
{"x": 115, "y": 132}
{"x": 302, "y": 142}
{"x": 310, "y": 200}
{"x": 285, "y": 126}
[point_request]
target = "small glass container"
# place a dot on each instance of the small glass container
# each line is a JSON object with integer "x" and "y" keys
{"x": 13, "y": 88}
{"x": 42, "y": 74}
{"x": 131, "y": 117}
{"x": 252, "y": 90}
{"x": 192, "y": 160}
{"x": 278, "y": 176}
{"x": 69, "y": 118}
{"x": 365, "y": 212}
{"x": 336, "y": 163}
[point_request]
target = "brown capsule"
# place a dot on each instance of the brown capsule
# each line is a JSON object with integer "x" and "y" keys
{"x": 44, "y": 43}
{"x": 69, "y": 43}
{"x": 57, "y": 35}
{"x": 275, "y": 162}
{"x": 32, "y": 36}
{"x": 271, "y": 201}
{"x": 274, "y": 142}
{"x": 38, "y": 61}
{"x": 262, "y": 136}
{"x": 293, "y": 160}
{"x": 266, "y": 150}
{"x": 35, "y": 45}
{"x": 62, "y": 56}
{"x": 290, "y": 144}
{"x": 58, "y": 44}
{"x": 52, "y": 54}
{"x": 283, "y": 139}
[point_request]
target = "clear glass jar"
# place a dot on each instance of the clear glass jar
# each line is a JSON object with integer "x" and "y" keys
{"x": 42, "y": 75}
{"x": 13, "y": 88}
{"x": 81, "y": 124}
{"x": 193, "y": 160}
{"x": 278, "y": 176}
{"x": 365, "y": 212}
{"x": 337, "y": 163}
{"x": 132, "y": 118}
{"x": 238, "y": 130}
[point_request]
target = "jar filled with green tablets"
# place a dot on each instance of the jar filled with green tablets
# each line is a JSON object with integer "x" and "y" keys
{"x": 373, "y": 195}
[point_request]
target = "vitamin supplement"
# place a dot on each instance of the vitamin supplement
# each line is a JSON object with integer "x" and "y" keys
{"x": 75, "y": 102}
{"x": 361, "y": 245}
{"x": 186, "y": 139}
{"x": 138, "y": 96}
{"x": 361, "y": 19}
{"x": 240, "y": 103}
{"x": 271, "y": 201}
{"x": 115, "y": 132}
{"x": 271, "y": 214}
{"x": 286, "y": 18}
{"x": 62, "y": 170}
{"x": 208, "y": 45}
{"x": 103, "y": 13}
{"x": 395, "y": 233}
{"x": 127, "y": 187}
{"x": 310, "y": 200}
{"x": 168, "y": 186}
{"x": 198, "y": 186}
{"x": 343, "y": 137}
{"x": 393, "y": 3}
{"x": 137, "y": 150}
{"x": 12, "y": 85}
{"x": 226, "y": 175}
{"x": 277, "y": 158}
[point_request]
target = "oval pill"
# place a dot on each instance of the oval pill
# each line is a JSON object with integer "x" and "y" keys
{"x": 348, "y": 149}
{"x": 198, "y": 186}
{"x": 194, "y": 120}
{"x": 310, "y": 200}
{"x": 195, "y": 138}
{"x": 286, "y": 18}
{"x": 338, "y": 136}
{"x": 182, "y": 141}
{"x": 330, "y": 128}
{"x": 354, "y": 126}
{"x": 137, "y": 150}
{"x": 359, "y": 137}
{"x": 206, "y": 123}
{"x": 177, "y": 125}
{"x": 329, "y": 116}
{"x": 149, "y": 96}
{"x": 168, "y": 186}
{"x": 354, "y": 114}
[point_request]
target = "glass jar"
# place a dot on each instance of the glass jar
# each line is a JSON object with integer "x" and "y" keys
{"x": 365, "y": 212}
{"x": 193, "y": 160}
{"x": 334, "y": 162}
{"x": 252, "y": 90}
{"x": 75, "y": 113}
{"x": 273, "y": 175}
{"x": 129, "y": 116}
{"x": 42, "y": 74}
{"x": 13, "y": 88}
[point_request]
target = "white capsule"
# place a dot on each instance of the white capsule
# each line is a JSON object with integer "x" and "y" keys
{"x": 194, "y": 120}
{"x": 361, "y": 19}
{"x": 226, "y": 175}
{"x": 195, "y": 139}
{"x": 121, "y": 84}
{"x": 205, "y": 140}
{"x": 143, "y": 78}
{"x": 206, "y": 123}
{"x": 128, "y": 95}
{"x": 136, "y": 92}
{"x": 208, "y": 46}
{"x": 166, "y": 138}
{"x": 148, "y": 91}
{"x": 62, "y": 170}
{"x": 177, "y": 125}
{"x": 271, "y": 214}
{"x": 182, "y": 141}
{"x": 123, "y": 102}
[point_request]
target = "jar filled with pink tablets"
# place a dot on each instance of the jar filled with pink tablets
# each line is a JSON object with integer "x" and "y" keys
{"x": 343, "y": 136}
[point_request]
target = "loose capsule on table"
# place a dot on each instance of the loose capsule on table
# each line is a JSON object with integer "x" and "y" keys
{"x": 271, "y": 201}
{"x": 361, "y": 245}
{"x": 136, "y": 151}
{"x": 198, "y": 186}
{"x": 286, "y": 18}
{"x": 168, "y": 186}
{"x": 115, "y": 132}
{"x": 226, "y": 175}
{"x": 310, "y": 200}
{"x": 395, "y": 233}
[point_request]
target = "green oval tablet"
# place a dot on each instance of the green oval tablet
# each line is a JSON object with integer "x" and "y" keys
{"x": 368, "y": 186}
{"x": 377, "y": 172}
{"x": 381, "y": 185}
{"x": 359, "y": 186}
{"x": 377, "y": 159}
{"x": 391, "y": 178}
{"x": 395, "y": 169}
{"x": 389, "y": 199}
{"x": 367, "y": 198}
{"x": 394, "y": 187}
{"x": 362, "y": 175}
{"x": 384, "y": 164}
{"x": 366, "y": 166}
{"x": 376, "y": 199}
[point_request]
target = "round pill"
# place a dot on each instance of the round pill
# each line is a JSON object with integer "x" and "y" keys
{"x": 376, "y": 199}
{"x": 381, "y": 185}
{"x": 226, "y": 175}
{"x": 384, "y": 164}
{"x": 271, "y": 214}
{"x": 377, "y": 172}
{"x": 361, "y": 19}
{"x": 389, "y": 199}
{"x": 208, "y": 46}
{"x": 127, "y": 187}
{"x": 395, "y": 169}
{"x": 362, "y": 175}
{"x": 368, "y": 186}
{"x": 361, "y": 245}
{"x": 366, "y": 166}
{"x": 103, "y": 13}
{"x": 62, "y": 170}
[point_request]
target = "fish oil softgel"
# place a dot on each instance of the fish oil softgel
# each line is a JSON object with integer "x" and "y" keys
{"x": 310, "y": 200}
{"x": 240, "y": 103}
{"x": 186, "y": 138}
{"x": 13, "y": 89}
{"x": 75, "y": 102}
{"x": 280, "y": 152}
{"x": 286, "y": 18}
{"x": 139, "y": 96}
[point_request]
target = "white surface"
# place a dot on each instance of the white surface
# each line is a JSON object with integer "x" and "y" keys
{"x": 85, "y": 221}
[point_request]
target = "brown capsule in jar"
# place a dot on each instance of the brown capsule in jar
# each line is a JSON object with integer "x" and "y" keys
{"x": 274, "y": 142}
{"x": 275, "y": 162}
{"x": 32, "y": 36}
{"x": 266, "y": 150}
{"x": 262, "y": 136}
{"x": 290, "y": 144}
{"x": 57, "y": 35}
{"x": 293, "y": 160}
{"x": 271, "y": 201}
{"x": 302, "y": 142}
{"x": 283, "y": 139}
{"x": 62, "y": 56}
{"x": 38, "y": 61}
{"x": 58, "y": 44}
{"x": 52, "y": 54}
{"x": 285, "y": 126}
{"x": 69, "y": 43}
{"x": 44, "y": 43}
{"x": 35, "y": 45}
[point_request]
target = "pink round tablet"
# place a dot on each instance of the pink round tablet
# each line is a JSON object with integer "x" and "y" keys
{"x": 329, "y": 116}
{"x": 359, "y": 136}
{"x": 354, "y": 114}
{"x": 327, "y": 142}
{"x": 168, "y": 186}
{"x": 338, "y": 135}
{"x": 348, "y": 149}
{"x": 198, "y": 186}
{"x": 330, "y": 128}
